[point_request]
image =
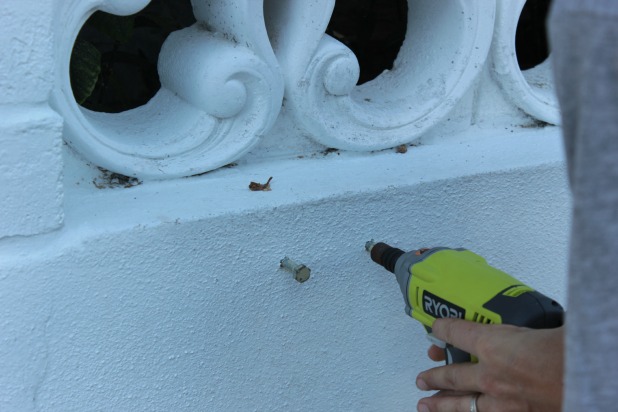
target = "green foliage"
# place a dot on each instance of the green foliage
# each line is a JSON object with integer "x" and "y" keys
{"x": 85, "y": 69}
{"x": 114, "y": 60}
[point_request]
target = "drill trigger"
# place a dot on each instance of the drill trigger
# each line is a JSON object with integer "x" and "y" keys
{"x": 435, "y": 341}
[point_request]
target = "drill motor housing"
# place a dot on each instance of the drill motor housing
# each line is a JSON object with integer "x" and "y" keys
{"x": 456, "y": 283}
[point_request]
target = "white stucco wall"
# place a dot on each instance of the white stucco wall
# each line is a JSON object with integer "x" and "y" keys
{"x": 168, "y": 296}
{"x": 30, "y": 132}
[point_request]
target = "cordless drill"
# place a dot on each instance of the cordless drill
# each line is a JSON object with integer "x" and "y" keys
{"x": 455, "y": 283}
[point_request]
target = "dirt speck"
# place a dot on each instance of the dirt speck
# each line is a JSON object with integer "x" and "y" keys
{"x": 330, "y": 150}
{"x": 535, "y": 124}
{"x": 109, "y": 180}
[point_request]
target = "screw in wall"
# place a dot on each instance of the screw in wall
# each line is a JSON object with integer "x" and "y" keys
{"x": 301, "y": 272}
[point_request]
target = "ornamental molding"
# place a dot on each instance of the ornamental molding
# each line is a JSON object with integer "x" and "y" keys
{"x": 226, "y": 79}
{"x": 221, "y": 91}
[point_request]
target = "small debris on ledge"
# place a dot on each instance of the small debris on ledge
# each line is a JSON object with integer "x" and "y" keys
{"x": 330, "y": 150}
{"x": 402, "y": 149}
{"x": 259, "y": 187}
{"x": 535, "y": 124}
{"x": 109, "y": 180}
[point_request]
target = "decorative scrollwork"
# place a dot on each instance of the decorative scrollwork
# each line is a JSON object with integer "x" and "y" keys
{"x": 445, "y": 49}
{"x": 532, "y": 90}
{"x": 223, "y": 82}
{"x": 221, "y": 91}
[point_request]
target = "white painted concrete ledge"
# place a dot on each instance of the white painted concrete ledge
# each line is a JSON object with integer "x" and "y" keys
{"x": 168, "y": 296}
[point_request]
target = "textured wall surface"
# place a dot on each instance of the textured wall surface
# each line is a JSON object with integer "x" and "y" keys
{"x": 30, "y": 170}
{"x": 166, "y": 295}
{"x": 30, "y": 132}
{"x": 161, "y": 298}
{"x": 26, "y": 41}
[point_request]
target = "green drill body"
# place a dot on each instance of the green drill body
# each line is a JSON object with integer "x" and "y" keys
{"x": 457, "y": 283}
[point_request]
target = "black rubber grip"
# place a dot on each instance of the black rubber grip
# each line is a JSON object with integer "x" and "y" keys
{"x": 386, "y": 255}
{"x": 455, "y": 355}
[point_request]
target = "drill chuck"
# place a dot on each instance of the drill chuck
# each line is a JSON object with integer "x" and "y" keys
{"x": 384, "y": 255}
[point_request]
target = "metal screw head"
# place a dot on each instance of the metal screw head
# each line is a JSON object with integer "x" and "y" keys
{"x": 301, "y": 272}
{"x": 369, "y": 245}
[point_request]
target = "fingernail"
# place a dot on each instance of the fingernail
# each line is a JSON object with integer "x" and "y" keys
{"x": 423, "y": 408}
{"x": 421, "y": 384}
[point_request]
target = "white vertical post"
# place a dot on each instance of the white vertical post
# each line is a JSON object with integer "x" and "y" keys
{"x": 30, "y": 132}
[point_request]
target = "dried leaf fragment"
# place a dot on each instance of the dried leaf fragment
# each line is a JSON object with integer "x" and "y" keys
{"x": 402, "y": 149}
{"x": 259, "y": 187}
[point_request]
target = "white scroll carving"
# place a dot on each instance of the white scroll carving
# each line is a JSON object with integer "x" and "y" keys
{"x": 531, "y": 90}
{"x": 444, "y": 51}
{"x": 221, "y": 91}
{"x": 223, "y": 81}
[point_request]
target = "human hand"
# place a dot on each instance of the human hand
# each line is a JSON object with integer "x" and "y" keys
{"x": 518, "y": 369}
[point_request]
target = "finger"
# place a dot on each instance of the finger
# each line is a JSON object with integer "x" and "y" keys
{"x": 448, "y": 401}
{"x": 451, "y": 402}
{"x": 436, "y": 354}
{"x": 455, "y": 377}
{"x": 462, "y": 334}
{"x": 453, "y": 393}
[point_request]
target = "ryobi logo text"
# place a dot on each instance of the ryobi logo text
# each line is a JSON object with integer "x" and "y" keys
{"x": 440, "y": 308}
